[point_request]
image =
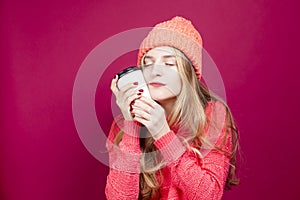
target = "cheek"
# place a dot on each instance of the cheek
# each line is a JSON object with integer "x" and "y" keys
{"x": 146, "y": 74}
{"x": 173, "y": 87}
{"x": 173, "y": 81}
{"x": 177, "y": 84}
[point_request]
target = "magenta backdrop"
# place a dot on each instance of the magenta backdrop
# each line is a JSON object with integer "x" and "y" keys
{"x": 254, "y": 44}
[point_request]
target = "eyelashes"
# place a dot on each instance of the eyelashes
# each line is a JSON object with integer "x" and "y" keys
{"x": 147, "y": 65}
{"x": 151, "y": 64}
{"x": 170, "y": 64}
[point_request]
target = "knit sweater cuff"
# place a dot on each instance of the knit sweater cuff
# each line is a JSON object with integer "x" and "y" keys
{"x": 170, "y": 147}
{"x": 131, "y": 141}
{"x": 126, "y": 158}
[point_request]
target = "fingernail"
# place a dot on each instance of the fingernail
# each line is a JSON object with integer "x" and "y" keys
{"x": 139, "y": 93}
{"x": 135, "y": 83}
{"x": 130, "y": 108}
{"x": 141, "y": 90}
{"x": 115, "y": 77}
{"x": 132, "y": 102}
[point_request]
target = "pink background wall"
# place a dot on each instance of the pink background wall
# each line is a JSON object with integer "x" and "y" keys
{"x": 254, "y": 44}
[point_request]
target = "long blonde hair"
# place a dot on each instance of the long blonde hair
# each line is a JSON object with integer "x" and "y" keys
{"x": 189, "y": 111}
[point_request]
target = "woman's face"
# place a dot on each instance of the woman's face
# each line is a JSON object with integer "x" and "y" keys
{"x": 161, "y": 74}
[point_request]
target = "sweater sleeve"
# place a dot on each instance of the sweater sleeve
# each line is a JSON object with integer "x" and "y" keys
{"x": 196, "y": 178}
{"x": 124, "y": 160}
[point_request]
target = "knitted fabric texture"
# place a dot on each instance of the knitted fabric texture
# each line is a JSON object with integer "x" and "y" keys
{"x": 185, "y": 177}
{"x": 178, "y": 33}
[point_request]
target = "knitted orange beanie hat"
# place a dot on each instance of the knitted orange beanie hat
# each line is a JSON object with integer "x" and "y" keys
{"x": 178, "y": 33}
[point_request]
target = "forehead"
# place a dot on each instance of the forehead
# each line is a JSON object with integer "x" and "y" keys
{"x": 161, "y": 52}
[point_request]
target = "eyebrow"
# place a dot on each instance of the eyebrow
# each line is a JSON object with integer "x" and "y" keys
{"x": 165, "y": 56}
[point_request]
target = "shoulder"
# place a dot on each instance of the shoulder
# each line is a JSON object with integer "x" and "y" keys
{"x": 216, "y": 113}
{"x": 215, "y": 109}
{"x": 216, "y": 127}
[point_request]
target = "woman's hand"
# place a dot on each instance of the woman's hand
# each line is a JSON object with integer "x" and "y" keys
{"x": 152, "y": 115}
{"x": 125, "y": 96}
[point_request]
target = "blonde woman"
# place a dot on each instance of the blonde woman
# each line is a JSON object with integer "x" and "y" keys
{"x": 181, "y": 143}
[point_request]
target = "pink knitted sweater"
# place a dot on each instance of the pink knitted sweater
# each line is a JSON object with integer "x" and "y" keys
{"x": 186, "y": 176}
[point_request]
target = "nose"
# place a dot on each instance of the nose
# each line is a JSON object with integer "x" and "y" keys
{"x": 156, "y": 70}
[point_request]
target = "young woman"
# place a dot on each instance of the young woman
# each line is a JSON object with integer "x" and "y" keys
{"x": 181, "y": 143}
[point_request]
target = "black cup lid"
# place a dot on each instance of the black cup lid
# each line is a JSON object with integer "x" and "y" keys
{"x": 127, "y": 70}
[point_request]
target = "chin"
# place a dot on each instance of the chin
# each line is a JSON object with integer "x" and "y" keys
{"x": 161, "y": 97}
{"x": 157, "y": 95}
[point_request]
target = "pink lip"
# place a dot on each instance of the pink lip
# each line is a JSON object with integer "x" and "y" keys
{"x": 157, "y": 84}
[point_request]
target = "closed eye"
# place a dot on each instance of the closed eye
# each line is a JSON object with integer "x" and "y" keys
{"x": 148, "y": 64}
{"x": 170, "y": 64}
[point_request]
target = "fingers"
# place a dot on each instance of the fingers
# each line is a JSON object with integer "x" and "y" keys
{"x": 157, "y": 128}
{"x": 132, "y": 99}
{"x": 125, "y": 92}
{"x": 141, "y": 113}
{"x": 148, "y": 101}
{"x": 140, "y": 119}
{"x": 113, "y": 85}
{"x": 141, "y": 105}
